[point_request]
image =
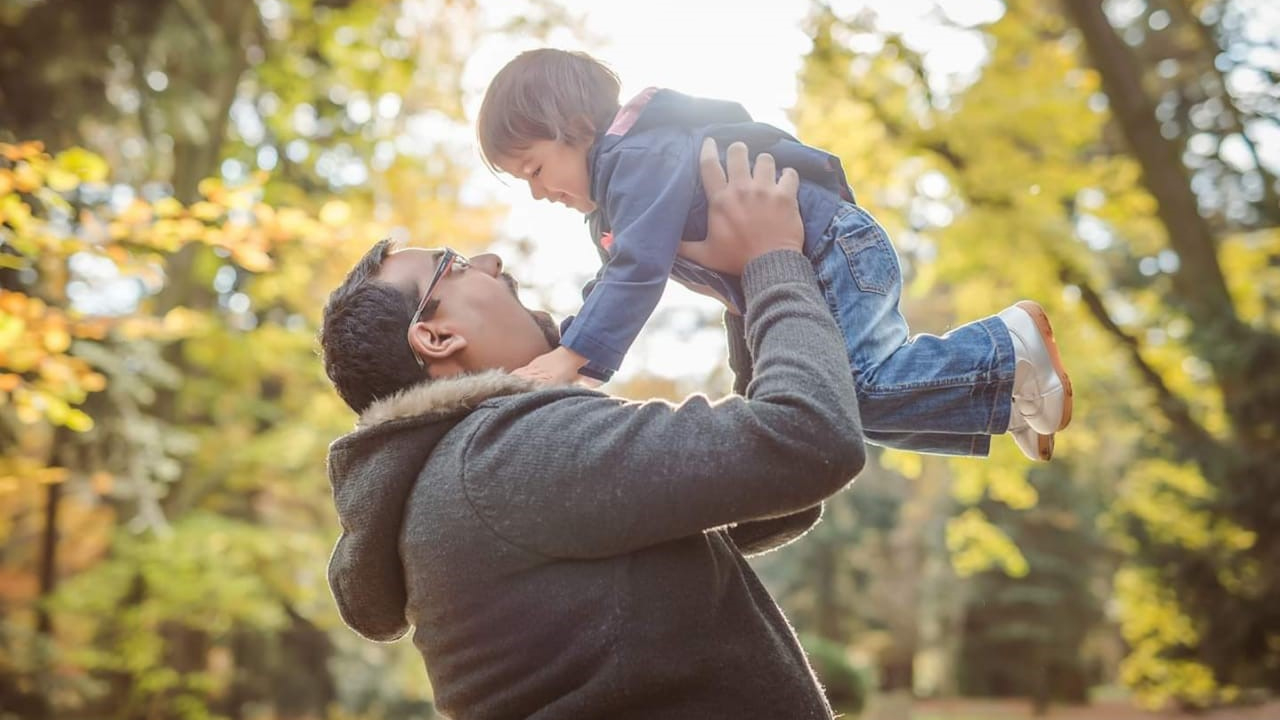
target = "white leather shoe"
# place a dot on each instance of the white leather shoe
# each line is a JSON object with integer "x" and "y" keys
{"x": 1041, "y": 387}
{"x": 1035, "y": 446}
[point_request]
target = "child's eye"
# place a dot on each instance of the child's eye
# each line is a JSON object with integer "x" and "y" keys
{"x": 536, "y": 173}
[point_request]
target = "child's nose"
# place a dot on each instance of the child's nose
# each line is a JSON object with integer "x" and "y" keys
{"x": 537, "y": 191}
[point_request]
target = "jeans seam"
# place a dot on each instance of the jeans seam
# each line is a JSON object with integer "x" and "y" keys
{"x": 968, "y": 381}
{"x": 1003, "y": 386}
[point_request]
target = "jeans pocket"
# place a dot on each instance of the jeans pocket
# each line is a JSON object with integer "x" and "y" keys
{"x": 872, "y": 260}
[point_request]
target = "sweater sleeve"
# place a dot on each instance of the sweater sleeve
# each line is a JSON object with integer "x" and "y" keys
{"x": 647, "y": 203}
{"x": 739, "y": 355}
{"x": 586, "y": 475}
{"x": 762, "y": 536}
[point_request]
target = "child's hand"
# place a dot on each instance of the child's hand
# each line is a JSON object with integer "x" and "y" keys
{"x": 558, "y": 367}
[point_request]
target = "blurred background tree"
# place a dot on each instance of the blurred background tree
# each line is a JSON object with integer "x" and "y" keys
{"x": 1105, "y": 160}
{"x": 182, "y": 183}
{"x": 166, "y": 515}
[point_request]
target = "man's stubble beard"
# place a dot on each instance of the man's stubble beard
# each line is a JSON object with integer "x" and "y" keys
{"x": 546, "y": 324}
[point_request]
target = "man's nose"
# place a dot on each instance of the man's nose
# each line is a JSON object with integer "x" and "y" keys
{"x": 488, "y": 263}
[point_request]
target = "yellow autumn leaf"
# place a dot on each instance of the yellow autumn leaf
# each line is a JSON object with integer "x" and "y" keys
{"x": 93, "y": 382}
{"x": 212, "y": 189}
{"x": 77, "y": 421}
{"x": 12, "y": 329}
{"x": 181, "y": 320}
{"x": 251, "y": 258}
{"x": 27, "y": 415}
{"x": 26, "y": 178}
{"x": 167, "y": 207}
{"x": 137, "y": 212}
{"x": 61, "y": 181}
{"x": 335, "y": 212}
{"x": 51, "y": 475}
{"x": 206, "y": 211}
{"x": 21, "y": 151}
{"x": 102, "y": 482}
{"x": 81, "y": 163}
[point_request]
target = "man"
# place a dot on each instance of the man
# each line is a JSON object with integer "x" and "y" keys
{"x": 560, "y": 553}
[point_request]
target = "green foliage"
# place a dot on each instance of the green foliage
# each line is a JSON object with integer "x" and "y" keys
{"x": 846, "y": 684}
{"x": 215, "y": 169}
{"x": 1024, "y": 634}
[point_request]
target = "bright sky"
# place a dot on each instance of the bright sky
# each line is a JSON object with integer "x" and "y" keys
{"x": 747, "y": 53}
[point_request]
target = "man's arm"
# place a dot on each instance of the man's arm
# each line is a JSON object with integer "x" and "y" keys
{"x": 589, "y": 476}
{"x": 762, "y": 536}
{"x": 753, "y": 538}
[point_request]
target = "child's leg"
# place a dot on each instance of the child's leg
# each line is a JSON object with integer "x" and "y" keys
{"x": 914, "y": 390}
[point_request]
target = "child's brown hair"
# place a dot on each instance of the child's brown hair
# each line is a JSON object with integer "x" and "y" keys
{"x": 545, "y": 94}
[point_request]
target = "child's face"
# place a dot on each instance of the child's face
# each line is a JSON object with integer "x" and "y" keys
{"x": 555, "y": 171}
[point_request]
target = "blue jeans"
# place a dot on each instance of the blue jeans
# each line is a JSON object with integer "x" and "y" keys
{"x": 935, "y": 394}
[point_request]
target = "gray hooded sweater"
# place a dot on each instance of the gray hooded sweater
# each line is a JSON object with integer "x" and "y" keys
{"x": 560, "y": 553}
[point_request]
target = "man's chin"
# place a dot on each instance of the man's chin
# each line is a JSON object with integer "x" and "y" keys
{"x": 550, "y": 329}
{"x": 547, "y": 324}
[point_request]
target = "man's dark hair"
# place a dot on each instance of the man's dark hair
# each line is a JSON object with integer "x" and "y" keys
{"x": 545, "y": 94}
{"x": 363, "y": 333}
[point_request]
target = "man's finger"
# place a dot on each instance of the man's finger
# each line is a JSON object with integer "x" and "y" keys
{"x": 735, "y": 161}
{"x": 790, "y": 181}
{"x": 709, "y": 163}
{"x": 765, "y": 171}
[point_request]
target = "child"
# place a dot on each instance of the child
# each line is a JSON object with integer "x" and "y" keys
{"x": 552, "y": 119}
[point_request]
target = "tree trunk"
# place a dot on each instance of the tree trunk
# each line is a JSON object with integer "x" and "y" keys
{"x": 1199, "y": 278}
{"x": 48, "y": 558}
{"x": 1242, "y": 358}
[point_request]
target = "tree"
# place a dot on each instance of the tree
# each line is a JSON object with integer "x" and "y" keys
{"x": 1024, "y": 636}
{"x": 164, "y": 514}
{"x": 1110, "y": 167}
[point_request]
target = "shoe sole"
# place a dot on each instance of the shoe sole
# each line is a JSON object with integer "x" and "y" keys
{"x": 1044, "y": 446}
{"x": 1043, "y": 449}
{"x": 1041, "y": 319}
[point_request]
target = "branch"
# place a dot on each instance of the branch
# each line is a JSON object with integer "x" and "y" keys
{"x": 1192, "y": 433}
{"x": 1199, "y": 281}
{"x": 1210, "y": 49}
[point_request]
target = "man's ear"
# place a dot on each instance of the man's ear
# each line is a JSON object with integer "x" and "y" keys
{"x": 438, "y": 345}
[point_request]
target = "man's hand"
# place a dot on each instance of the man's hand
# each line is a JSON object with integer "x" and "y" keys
{"x": 749, "y": 213}
{"x": 558, "y": 367}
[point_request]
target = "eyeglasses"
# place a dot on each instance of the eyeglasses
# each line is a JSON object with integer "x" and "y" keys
{"x": 448, "y": 259}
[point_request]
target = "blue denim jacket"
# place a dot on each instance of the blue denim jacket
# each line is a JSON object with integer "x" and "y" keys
{"x": 648, "y": 193}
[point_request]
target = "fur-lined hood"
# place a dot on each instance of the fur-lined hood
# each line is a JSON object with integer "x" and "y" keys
{"x": 373, "y": 471}
{"x": 442, "y": 396}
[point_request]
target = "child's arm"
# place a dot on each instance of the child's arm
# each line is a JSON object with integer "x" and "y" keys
{"x": 648, "y": 197}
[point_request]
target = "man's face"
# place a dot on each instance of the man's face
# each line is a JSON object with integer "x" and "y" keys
{"x": 476, "y": 303}
{"x": 555, "y": 171}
